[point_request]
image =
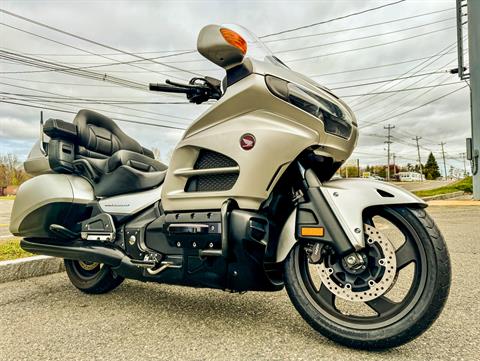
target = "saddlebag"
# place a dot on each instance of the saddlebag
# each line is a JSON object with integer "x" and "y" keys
{"x": 50, "y": 199}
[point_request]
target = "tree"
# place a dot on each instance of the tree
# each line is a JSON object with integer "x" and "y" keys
{"x": 11, "y": 171}
{"x": 431, "y": 169}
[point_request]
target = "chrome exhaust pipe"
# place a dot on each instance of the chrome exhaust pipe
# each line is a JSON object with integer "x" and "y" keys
{"x": 76, "y": 250}
{"x": 90, "y": 251}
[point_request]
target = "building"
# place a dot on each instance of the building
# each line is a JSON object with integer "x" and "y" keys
{"x": 409, "y": 177}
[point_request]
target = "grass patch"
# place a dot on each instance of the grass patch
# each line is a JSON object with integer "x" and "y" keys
{"x": 11, "y": 250}
{"x": 464, "y": 185}
{"x": 6, "y": 198}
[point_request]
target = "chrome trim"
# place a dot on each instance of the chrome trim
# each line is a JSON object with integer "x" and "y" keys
{"x": 187, "y": 172}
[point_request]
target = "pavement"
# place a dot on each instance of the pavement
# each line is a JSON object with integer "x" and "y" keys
{"x": 46, "y": 318}
{"x": 423, "y": 186}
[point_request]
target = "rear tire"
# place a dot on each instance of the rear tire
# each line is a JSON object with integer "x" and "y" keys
{"x": 92, "y": 278}
{"x": 376, "y": 332}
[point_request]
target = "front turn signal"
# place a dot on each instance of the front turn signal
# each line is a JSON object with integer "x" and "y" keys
{"x": 234, "y": 39}
{"x": 312, "y": 231}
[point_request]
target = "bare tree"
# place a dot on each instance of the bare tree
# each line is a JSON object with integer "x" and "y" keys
{"x": 11, "y": 170}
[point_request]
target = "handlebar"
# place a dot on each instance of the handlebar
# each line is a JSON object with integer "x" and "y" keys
{"x": 196, "y": 92}
{"x": 166, "y": 88}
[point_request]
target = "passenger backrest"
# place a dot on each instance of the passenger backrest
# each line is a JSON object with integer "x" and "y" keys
{"x": 100, "y": 137}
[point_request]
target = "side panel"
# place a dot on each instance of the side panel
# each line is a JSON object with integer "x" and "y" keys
{"x": 47, "y": 191}
{"x": 130, "y": 203}
{"x": 247, "y": 107}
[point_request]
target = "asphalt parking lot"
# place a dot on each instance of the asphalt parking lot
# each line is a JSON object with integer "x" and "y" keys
{"x": 45, "y": 318}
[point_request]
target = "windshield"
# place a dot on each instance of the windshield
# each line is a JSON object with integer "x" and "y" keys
{"x": 256, "y": 48}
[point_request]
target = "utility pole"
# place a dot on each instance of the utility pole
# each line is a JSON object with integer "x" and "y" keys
{"x": 394, "y": 164}
{"x": 468, "y": 13}
{"x": 444, "y": 163}
{"x": 388, "y": 142}
{"x": 473, "y": 9}
{"x": 417, "y": 138}
{"x": 464, "y": 157}
{"x": 358, "y": 168}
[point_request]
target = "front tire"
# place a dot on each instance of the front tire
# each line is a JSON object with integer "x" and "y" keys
{"x": 92, "y": 278}
{"x": 394, "y": 323}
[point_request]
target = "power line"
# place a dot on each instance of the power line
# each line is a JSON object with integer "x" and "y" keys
{"x": 361, "y": 37}
{"x": 331, "y": 20}
{"x": 174, "y": 53}
{"x": 413, "y": 109}
{"x": 103, "y": 110}
{"x": 400, "y": 90}
{"x": 375, "y": 66}
{"x": 58, "y": 67}
{"x": 72, "y": 100}
{"x": 72, "y": 112}
{"x": 115, "y": 62}
{"x": 357, "y": 27}
{"x": 91, "y": 41}
{"x": 399, "y": 106}
{"x": 388, "y": 80}
{"x": 432, "y": 59}
{"x": 58, "y": 83}
{"x": 369, "y": 46}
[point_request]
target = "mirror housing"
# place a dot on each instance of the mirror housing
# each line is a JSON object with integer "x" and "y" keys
{"x": 221, "y": 46}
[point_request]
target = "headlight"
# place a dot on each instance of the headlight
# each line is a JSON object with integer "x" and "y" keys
{"x": 333, "y": 118}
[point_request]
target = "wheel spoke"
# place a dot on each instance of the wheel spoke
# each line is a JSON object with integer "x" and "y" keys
{"x": 381, "y": 304}
{"x": 327, "y": 296}
{"x": 405, "y": 255}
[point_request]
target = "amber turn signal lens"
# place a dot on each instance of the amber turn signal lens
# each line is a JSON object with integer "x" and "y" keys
{"x": 234, "y": 39}
{"x": 313, "y": 231}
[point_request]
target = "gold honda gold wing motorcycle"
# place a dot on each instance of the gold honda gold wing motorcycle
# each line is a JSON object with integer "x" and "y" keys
{"x": 246, "y": 204}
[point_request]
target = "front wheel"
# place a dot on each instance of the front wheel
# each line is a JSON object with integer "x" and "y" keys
{"x": 387, "y": 294}
{"x": 90, "y": 277}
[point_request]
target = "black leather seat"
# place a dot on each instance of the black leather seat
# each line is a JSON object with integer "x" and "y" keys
{"x": 121, "y": 164}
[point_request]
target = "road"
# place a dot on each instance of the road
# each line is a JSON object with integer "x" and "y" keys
{"x": 422, "y": 186}
{"x": 45, "y": 318}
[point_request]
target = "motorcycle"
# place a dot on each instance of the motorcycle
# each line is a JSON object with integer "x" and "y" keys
{"x": 246, "y": 204}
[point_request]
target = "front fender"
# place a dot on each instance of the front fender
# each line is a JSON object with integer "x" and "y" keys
{"x": 348, "y": 198}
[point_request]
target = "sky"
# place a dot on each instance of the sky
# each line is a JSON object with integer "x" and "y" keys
{"x": 421, "y": 47}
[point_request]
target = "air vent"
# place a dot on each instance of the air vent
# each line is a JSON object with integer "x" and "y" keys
{"x": 211, "y": 182}
{"x": 385, "y": 194}
{"x": 209, "y": 159}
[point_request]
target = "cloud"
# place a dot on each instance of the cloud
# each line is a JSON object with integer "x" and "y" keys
{"x": 140, "y": 26}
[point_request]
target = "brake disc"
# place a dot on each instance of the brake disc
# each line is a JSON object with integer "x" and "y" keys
{"x": 388, "y": 263}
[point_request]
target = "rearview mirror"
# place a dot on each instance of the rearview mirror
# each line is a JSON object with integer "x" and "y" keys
{"x": 221, "y": 46}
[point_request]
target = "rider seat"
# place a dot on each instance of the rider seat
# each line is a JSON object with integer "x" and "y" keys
{"x": 114, "y": 162}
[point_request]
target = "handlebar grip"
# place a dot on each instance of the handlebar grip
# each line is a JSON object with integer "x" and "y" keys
{"x": 166, "y": 88}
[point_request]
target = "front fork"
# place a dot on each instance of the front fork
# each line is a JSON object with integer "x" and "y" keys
{"x": 332, "y": 213}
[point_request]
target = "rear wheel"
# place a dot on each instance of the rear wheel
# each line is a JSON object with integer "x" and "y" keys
{"x": 90, "y": 277}
{"x": 392, "y": 295}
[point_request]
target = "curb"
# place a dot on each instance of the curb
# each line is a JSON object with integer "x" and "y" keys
{"x": 444, "y": 196}
{"x": 12, "y": 270}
